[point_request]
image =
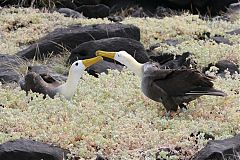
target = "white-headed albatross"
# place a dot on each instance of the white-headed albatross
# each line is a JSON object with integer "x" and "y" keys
{"x": 47, "y": 85}
{"x": 172, "y": 87}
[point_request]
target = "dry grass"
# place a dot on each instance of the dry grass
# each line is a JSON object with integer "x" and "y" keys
{"x": 33, "y": 3}
{"x": 112, "y": 117}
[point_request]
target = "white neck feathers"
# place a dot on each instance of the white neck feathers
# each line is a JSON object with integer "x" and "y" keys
{"x": 69, "y": 88}
{"x": 133, "y": 65}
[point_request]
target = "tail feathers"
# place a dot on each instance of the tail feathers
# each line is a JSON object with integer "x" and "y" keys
{"x": 211, "y": 92}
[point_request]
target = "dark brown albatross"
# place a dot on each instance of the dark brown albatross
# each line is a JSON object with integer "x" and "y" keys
{"x": 172, "y": 87}
{"x": 45, "y": 84}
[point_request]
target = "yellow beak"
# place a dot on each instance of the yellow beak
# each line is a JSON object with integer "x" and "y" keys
{"x": 91, "y": 61}
{"x": 106, "y": 54}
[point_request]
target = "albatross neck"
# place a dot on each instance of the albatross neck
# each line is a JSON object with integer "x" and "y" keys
{"x": 72, "y": 80}
{"x": 70, "y": 86}
{"x": 134, "y": 66}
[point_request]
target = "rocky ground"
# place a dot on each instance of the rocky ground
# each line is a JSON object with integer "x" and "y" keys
{"x": 113, "y": 118}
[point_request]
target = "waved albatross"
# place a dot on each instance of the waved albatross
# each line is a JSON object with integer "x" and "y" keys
{"x": 47, "y": 85}
{"x": 171, "y": 87}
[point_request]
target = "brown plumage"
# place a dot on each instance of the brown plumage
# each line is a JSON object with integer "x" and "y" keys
{"x": 40, "y": 83}
{"x": 174, "y": 87}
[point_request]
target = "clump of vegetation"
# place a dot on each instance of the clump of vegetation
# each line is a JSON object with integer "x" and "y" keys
{"x": 109, "y": 115}
{"x": 33, "y": 3}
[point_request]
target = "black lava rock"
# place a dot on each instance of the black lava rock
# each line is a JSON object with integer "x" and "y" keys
{"x": 234, "y": 32}
{"x": 8, "y": 65}
{"x": 94, "y": 11}
{"x": 220, "y": 39}
{"x": 70, "y": 13}
{"x": 220, "y": 149}
{"x": 88, "y": 49}
{"x": 69, "y": 38}
{"x": 23, "y": 149}
{"x": 223, "y": 65}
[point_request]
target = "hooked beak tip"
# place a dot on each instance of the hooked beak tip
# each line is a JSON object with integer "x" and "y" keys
{"x": 105, "y": 54}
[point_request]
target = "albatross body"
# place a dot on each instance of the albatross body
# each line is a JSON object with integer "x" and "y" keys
{"x": 171, "y": 87}
{"x": 45, "y": 84}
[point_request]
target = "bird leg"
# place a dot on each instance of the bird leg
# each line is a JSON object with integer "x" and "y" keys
{"x": 170, "y": 114}
{"x": 170, "y": 106}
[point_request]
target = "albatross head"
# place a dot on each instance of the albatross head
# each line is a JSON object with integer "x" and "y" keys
{"x": 124, "y": 58}
{"x": 79, "y": 66}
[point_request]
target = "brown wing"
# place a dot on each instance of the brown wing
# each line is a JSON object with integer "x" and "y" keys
{"x": 182, "y": 82}
{"x": 36, "y": 83}
{"x": 46, "y": 78}
{"x": 50, "y": 80}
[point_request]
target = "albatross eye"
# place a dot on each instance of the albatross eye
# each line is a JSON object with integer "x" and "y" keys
{"x": 76, "y": 64}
